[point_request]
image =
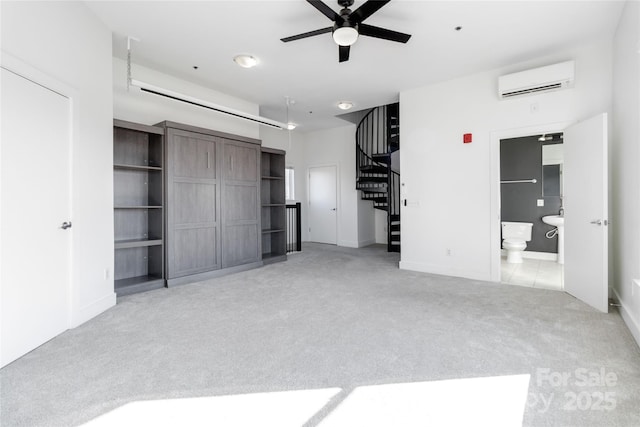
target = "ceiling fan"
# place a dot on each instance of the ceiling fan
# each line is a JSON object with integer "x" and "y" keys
{"x": 347, "y": 25}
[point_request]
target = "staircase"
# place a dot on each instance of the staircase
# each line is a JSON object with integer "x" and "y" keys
{"x": 377, "y": 137}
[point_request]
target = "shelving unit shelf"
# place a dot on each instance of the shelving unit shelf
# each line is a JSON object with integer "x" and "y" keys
{"x": 272, "y": 198}
{"x": 138, "y": 152}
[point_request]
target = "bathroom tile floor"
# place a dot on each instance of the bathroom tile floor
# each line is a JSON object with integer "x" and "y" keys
{"x": 534, "y": 273}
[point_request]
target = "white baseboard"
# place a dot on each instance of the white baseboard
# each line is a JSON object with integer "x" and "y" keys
{"x": 632, "y": 323}
{"x": 348, "y": 243}
{"x": 545, "y": 256}
{"x": 78, "y": 317}
{"x": 364, "y": 243}
{"x": 438, "y": 269}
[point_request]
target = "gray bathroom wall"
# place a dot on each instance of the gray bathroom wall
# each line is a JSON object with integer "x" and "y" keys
{"x": 521, "y": 158}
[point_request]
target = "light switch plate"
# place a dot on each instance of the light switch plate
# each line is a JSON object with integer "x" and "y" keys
{"x": 540, "y": 202}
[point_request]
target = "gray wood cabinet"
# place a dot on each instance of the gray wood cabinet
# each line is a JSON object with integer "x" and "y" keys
{"x": 273, "y": 206}
{"x": 213, "y": 203}
{"x": 241, "y": 206}
{"x": 193, "y": 208}
{"x": 138, "y": 207}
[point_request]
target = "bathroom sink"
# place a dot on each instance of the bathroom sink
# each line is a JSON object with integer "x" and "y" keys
{"x": 555, "y": 220}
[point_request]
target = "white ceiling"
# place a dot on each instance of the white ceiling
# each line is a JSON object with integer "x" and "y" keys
{"x": 176, "y": 35}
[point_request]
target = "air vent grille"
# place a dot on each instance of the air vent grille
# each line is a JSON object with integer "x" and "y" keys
{"x": 532, "y": 90}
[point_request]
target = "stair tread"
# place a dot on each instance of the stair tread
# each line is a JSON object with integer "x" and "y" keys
{"x": 374, "y": 169}
{"x": 366, "y": 179}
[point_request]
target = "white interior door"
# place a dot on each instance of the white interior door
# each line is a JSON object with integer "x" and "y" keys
{"x": 586, "y": 207}
{"x": 323, "y": 205}
{"x": 34, "y": 203}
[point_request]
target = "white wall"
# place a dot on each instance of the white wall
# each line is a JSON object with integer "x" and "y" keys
{"x": 337, "y": 147}
{"x": 449, "y": 185}
{"x": 625, "y": 158}
{"x": 65, "y": 41}
{"x": 380, "y": 226}
{"x": 366, "y": 220}
{"x": 145, "y": 108}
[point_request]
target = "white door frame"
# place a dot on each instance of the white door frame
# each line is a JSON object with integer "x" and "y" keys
{"x": 496, "y": 136}
{"x": 338, "y": 199}
{"x": 23, "y": 69}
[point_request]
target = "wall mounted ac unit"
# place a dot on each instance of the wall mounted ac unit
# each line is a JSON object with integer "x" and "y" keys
{"x": 543, "y": 79}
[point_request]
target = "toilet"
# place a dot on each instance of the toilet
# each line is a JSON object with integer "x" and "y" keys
{"x": 515, "y": 236}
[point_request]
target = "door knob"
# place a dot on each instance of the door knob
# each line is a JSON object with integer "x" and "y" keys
{"x": 333, "y": 209}
{"x": 596, "y": 222}
{"x": 66, "y": 225}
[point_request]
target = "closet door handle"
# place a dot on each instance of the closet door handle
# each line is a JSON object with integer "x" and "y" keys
{"x": 208, "y": 161}
{"x": 66, "y": 225}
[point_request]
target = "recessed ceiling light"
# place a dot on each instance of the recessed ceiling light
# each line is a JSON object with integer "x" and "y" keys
{"x": 245, "y": 61}
{"x": 291, "y": 126}
{"x": 345, "y": 105}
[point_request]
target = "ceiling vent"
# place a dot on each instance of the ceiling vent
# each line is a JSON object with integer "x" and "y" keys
{"x": 538, "y": 80}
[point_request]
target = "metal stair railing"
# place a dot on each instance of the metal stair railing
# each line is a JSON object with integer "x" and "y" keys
{"x": 377, "y": 136}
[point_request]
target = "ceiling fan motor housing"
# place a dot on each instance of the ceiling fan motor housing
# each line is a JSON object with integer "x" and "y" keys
{"x": 345, "y": 3}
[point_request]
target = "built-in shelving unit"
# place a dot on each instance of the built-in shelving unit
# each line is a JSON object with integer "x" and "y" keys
{"x": 138, "y": 207}
{"x": 272, "y": 194}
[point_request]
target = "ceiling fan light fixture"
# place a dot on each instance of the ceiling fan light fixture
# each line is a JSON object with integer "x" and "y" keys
{"x": 345, "y": 36}
{"x": 246, "y": 61}
{"x": 345, "y": 105}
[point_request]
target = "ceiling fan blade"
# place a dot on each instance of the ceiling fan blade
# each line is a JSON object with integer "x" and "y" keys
{"x": 367, "y": 9}
{"x": 343, "y": 53}
{"x": 326, "y": 10}
{"x": 383, "y": 33}
{"x": 308, "y": 34}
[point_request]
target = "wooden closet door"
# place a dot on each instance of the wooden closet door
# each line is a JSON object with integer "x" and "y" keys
{"x": 240, "y": 204}
{"x": 193, "y": 190}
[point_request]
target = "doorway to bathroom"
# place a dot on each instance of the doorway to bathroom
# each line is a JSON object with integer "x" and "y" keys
{"x": 584, "y": 200}
{"x": 531, "y": 183}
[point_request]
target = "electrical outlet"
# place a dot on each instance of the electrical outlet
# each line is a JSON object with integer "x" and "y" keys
{"x": 449, "y": 252}
{"x": 106, "y": 274}
{"x": 540, "y": 202}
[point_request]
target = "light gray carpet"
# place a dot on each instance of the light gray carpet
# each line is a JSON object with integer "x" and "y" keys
{"x": 328, "y": 317}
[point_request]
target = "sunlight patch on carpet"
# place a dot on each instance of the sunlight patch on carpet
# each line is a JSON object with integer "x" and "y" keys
{"x": 283, "y": 409}
{"x": 491, "y": 401}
